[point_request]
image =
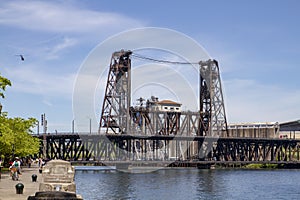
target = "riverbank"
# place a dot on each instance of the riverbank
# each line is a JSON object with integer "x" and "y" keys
{"x": 7, "y": 185}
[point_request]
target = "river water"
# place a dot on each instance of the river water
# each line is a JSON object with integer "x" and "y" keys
{"x": 189, "y": 184}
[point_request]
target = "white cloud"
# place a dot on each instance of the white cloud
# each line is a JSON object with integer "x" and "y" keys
{"x": 250, "y": 101}
{"x": 48, "y": 30}
{"x": 52, "y": 53}
{"x": 48, "y": 103}
{"x": 30, "y": 80}
{"x": 54, "y": 17}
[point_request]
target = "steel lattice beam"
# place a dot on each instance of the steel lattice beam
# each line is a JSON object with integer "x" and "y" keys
{"x": 118, "y": 117}
{"x": 149, "y": 148}
{"x": 115, "y": 110}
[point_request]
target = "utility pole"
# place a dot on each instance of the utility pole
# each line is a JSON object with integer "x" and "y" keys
{"x": 38, "y": 127}
{"x": 44, "y": 125}
{"x": 90, "y": 126}
{"x": 73, "y": 126}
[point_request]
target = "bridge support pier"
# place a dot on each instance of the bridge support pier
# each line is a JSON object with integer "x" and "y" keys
{"x": 122, "y": 166}
{"x": 205, "y": 166}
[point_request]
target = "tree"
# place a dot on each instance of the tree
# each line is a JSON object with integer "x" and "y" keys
{"x": 3, "y": 83}
{"x": 16, "y": 139}
{"x": 15, "y": 133}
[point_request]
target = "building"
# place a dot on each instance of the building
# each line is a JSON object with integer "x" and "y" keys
{"x": 290, "y": 130}
{"x": 165, "y": 105}
{"x": 254, "y": 130}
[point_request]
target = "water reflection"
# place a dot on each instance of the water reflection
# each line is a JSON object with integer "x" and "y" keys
{"x": 206, "y": 182}
{"x": 104, "y": 185}
{"x": 189, "y": 184}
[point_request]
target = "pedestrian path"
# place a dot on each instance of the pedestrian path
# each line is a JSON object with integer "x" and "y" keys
{"x": 7, "y": 185}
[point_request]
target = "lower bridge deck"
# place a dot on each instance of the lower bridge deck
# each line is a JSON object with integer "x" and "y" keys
{"x": 168, "y": 150}
{"x": 195, "y": 164}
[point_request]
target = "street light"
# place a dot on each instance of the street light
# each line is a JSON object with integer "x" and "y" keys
{"x": 73, "y": 124}
{"x": 44, "y": 125}
{"x": 38, "y": 127}
{"x": 90, "y": 126}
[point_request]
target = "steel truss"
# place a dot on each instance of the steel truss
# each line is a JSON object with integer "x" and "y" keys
{"x": 157, "y": 148}
{"x": 116, "y": 104}
{"x": 118, "y": 117}
{"x": 212, "y": 109}
{"x": 141, "y": 134}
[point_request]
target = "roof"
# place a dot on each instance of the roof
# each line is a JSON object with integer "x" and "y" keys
{"x": 290, "y": 126}
{"x": 253, "y": 125}
{"x": 168, "y": 102}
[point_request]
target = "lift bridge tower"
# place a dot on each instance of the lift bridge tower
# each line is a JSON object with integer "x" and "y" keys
{"x": 115, "y": 116}
{"x": 118, "y": 117}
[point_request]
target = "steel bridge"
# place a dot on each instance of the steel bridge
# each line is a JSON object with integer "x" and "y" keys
{"x": 119, "y": 117}
{"x": 112, "y": 149}
{"x": 150, "y": 133}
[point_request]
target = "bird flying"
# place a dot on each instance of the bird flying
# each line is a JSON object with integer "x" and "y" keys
{"x": 21, "y": 56}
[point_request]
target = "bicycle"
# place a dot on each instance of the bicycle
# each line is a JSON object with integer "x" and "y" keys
{"x": 14, "y": 173}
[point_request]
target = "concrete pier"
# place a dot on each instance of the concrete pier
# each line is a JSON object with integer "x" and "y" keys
{"x": 7, "y": 185}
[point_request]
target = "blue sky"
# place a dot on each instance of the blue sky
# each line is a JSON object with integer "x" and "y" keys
{"x": 255, "y": 42}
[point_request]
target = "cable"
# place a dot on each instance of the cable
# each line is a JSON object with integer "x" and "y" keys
{"x": 162, "y": 61}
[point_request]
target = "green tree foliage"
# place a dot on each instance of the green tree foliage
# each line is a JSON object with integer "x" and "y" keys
{"x": 3, "y": 83}
{"x": 16, "y": 138}
{"x": 15, "y": 133}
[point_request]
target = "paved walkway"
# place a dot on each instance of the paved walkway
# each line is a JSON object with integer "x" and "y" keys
{"x": 7, "y": 185}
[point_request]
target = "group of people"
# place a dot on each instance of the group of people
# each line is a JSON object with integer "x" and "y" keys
{"x": 24, "y": 161}
{"x": 15, "y": 166}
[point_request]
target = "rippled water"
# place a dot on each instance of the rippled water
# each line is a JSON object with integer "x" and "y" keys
{"x": 189, "y": 184}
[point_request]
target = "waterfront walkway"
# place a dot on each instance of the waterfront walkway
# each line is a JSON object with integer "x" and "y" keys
{"x": 7, "y": 185}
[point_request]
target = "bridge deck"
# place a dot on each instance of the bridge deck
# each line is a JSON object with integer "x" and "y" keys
{"x": 165, "y": 149}
{"x": 191, "y": 163}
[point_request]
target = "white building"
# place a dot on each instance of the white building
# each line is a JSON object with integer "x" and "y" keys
{"x": 164, "y": 105}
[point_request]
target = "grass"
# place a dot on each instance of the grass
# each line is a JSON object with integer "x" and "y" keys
{"x": 263, "y": 166}
{"x": 4, "y": 169}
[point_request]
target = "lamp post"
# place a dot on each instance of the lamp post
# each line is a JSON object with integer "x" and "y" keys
{"x": 38, "y": 127}
{"x": 73, "y": 124}
{"x": 44, "y": 125}
{"x": 90, "y": 126}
